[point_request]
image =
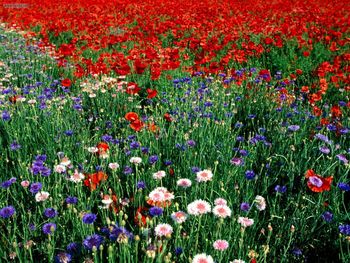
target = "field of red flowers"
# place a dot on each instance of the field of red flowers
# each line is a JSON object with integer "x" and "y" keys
{"x": 249, "y": 100}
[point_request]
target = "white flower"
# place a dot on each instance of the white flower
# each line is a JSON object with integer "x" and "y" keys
{"x": 204, "y": 176}
{"x": 184, "y": 182}
{"x": 113, "y": 166}
{"x": 245, "y": 221}
{"x": 198, "y": 207}
{"x": 135, "y": 160}
{"x": 260, "y": 203}
{"x": 76, "y": 177}
{"x": 159, "y": 175}
{"x": 93, "y": 149}
{"x": 163, "y": 230}
{"x": 41, "y": 196}
{"x": 202, "y": 258}
{"x": 222, "y": 211}
{"x": 60, "y": 168}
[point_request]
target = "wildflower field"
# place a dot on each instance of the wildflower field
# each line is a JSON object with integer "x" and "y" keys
{"x": 175, "y": 131}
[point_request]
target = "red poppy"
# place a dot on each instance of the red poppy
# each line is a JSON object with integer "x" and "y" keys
{"x": 132, "y": 88}
{"x": 167, "y": 117}
{"x": 137, "y": 125}
{"x": 141, "y": 216}
{"x": 336, "y": 111}
{"x": 317, "y": 183}
{"x": 131, "y": 116}
{"x": 66, "y": 83}
{"x": 151, "y": 93}
{"x": 93, "y": 180}
{"x": 102, "y": 148}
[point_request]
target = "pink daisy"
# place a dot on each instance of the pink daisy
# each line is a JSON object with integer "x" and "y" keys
{"x": 220, "y": 201}
{"x": 220, "y": 245}
{"x": 245, "y": 221}
{"x": 184, "y": 182}
{"x": 198, "y": 207}
{"x": 159, "y": 175}
{"x": 222, "y": 211}
{"x": 163, "y": 230}
{"x": 202, "y": 258}
{"x": 179, "y": 217}
{"x": 204, "y": 176}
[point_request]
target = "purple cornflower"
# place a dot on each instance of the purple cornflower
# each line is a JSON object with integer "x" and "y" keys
{"x": 141, "y": 185}
{"x": 155, "y": 211}
{"x": 73, "y": 248}
{"x": 250, "y": 175}
{"x": 49, "y": 228}
{"x": 127, "y": 170}
{"x": 35, "y": 187}
{"x": 8, "y": 183}
{"x": 237, "y": 161}
{"x": 195, "y": 169}
{"x": 7, "y": 211}
{"x": 293, "y": 128}
{"x": 72, "y": 200}
{"x": 5, "y": 115}
{"x": 244, "y": 152}
{"x": 89, "y": 218}
{"x": 323, "y": 138}
{"x": 69, "y": 133}
{"x": 344, "y": 229}
{"x": 120, "y": 234}
{"x": 134, "y": 145}
{"x": 153, "y": 159}
{"x": 144, "y": 150}
{"x": 245, "y": 207}
{"x": 168, "y": 162}
{"x": 327, "y": 216}
{"x": 15, "y": 146}
{"x": 342, "y": 158}
{"x": 191, "y": 143}
{"x": 50, "y": 212}
{"x": 324, "y": 149}
{"x": 280, "y": 188}
{"x": 92, "y": 241}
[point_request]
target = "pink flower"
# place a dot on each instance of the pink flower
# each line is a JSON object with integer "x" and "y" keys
{"x": 41, "y": 196}
{"x": 179, "y": 217}
{"x": 60, "y": 168}
{"x": 163, "y": 230}
{"x": 204, "y": 176}
{"x": 184, "y": 182}
{"x": 198, "y": 207}
{"x": 245, "y": 221}
{"x": 202, "y": 258}
{"x": 159, "y": 175}
{"x": 222, "y": 211}
{"x": 220, "y": 245}
{"x": 25, "y": 183}
{"x": 220, "y": 201}
{"x": 113, "y": 166}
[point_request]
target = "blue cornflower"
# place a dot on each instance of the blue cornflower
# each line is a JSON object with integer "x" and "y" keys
{"x": 245, "y": 207}
{"x": 72, "y": 200}
{"x": 69, "y": 132}
{"x": 344, "y": 229}
{"x": 49, "y": 228}
{"x": 327, "y": 216}
{"x": 293, "y": 128}
{"x": 191, "y": 143}
{"x": 15, "y": 146}
{"x": 73, "y": 248}
{"x": 35, "y": 187}
{"x": 89, "y": 218}
{"x": 344, "y": 186}
{"x": 195, "y": 169}
{"x": 50, "y": 212}
{"x": 141, "y": 185}
{"x": 156, "y": 211}
{"x": 250, "y": 175}
{"x": 153, "y": 159}
{"x": 280, "y": 188}
{"x": 5, "y": 115}
{"x": 93, "y": 241}
{"x": 8, "y": 183}
{"x": 127, "y": 170}
{"x": 134, "y": 145}
{"x": 7, "y": 211}
{"x": 178, "y": 251}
